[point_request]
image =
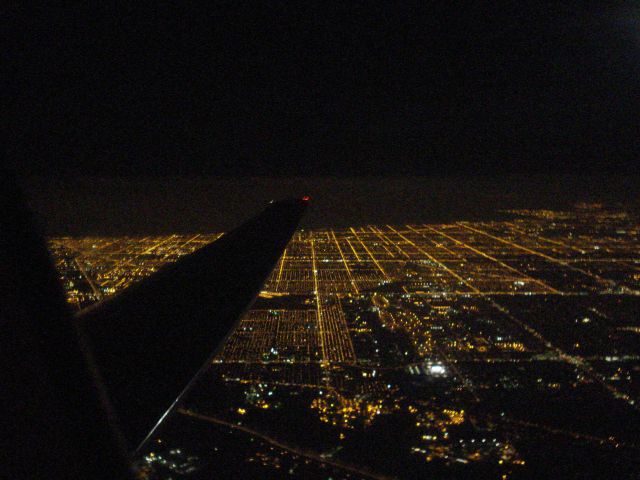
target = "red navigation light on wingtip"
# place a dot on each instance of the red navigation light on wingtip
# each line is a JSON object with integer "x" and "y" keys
{"x": 306, "y": 198}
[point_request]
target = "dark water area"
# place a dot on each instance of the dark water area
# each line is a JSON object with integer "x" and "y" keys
{"x": 160, "y": 205}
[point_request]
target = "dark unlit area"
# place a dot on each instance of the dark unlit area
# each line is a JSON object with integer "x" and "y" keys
{"x": 138, "y": 206}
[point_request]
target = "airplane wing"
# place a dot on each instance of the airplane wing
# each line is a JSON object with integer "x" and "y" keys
{"x": 79, "y": 393}
{"x": 149, "y": 341}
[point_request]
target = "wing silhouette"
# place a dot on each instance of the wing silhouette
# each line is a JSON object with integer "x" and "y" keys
{"x": 150, "y": 340}
{"x": 79, "y": 393}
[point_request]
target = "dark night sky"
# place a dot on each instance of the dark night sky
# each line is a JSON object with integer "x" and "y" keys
{"x": 374, "y": 89}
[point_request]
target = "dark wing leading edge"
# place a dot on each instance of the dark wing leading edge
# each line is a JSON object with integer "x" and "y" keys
{"x": 149, "y": 341}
